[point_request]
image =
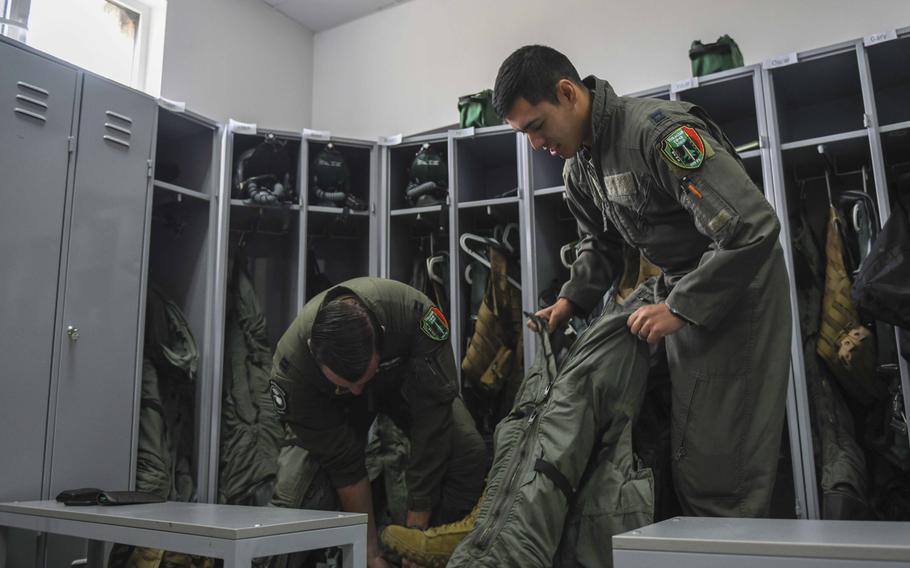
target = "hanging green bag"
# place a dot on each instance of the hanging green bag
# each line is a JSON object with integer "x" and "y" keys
{"x": 477, "y": 110}
{"x": 710, "y": 58}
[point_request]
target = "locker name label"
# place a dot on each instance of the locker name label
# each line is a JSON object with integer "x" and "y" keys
{"x": 317, "y": 134}
{"x": 463, "y": 132}
{"x": 173, "y": 106}
{"x": 684, "y": 85}
{"x": 879, "y": 37}
{"x": 780, "y": 61}
{"x": 241, "y": 127}
{"x": 392, "y": 140}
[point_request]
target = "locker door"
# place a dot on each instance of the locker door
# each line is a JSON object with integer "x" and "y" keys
{"x": 94, "y": 410}
{"x": 36, "y": 119}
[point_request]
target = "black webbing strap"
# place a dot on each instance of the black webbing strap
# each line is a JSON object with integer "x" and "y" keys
{"x": 556, "y": 476}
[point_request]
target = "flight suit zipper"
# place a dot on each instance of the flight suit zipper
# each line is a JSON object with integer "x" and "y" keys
{"x": 497, "y": 518}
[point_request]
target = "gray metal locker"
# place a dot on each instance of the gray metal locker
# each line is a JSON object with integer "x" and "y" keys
{"x": 38, "y": 97}
{"x": 98, "y": 335}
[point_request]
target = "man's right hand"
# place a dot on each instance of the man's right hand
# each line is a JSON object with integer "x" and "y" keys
{"x": 556, "y": 315}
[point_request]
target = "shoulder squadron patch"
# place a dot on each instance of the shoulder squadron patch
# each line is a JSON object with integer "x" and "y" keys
{"x": 684, "y": 148}
{"x": 434, "y": 324}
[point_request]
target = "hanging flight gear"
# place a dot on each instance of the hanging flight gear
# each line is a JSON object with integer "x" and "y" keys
{"x": 881, "y": 288}
{"x": 477, "y": 110}
{"x": 429, "y": 179}
{"x": 264, "y": 173}
{"x": 846, "y": 345}
{"x": 251, "y": 433}
{"x": 332, "y": 180}
{"x": 710, "y": 58}
{"x": 841, "y": 461}
{"x": 567, "y": 445}
{"x": 494, "y": 354}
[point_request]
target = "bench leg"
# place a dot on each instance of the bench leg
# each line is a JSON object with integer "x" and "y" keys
{"x": 95, "y": 555}
{"x": 238, "y": 557}
{"x": 4, "y": 535}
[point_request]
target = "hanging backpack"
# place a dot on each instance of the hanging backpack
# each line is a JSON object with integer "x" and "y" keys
{"x": 710, "y": 58}
{"x": 477, "y": 110}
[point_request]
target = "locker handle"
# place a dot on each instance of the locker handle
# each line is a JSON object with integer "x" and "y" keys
{"x": 117, "y": 128}
{"x": 34, "y": 115}
{"x": 33, "y": 88}
{"x": 113, "y": 114}
{"x": 30, "y": 100}
{"x": 116, "y": 141}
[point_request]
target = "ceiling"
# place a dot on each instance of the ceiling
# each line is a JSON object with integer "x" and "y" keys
{"x": 320, "y": 15}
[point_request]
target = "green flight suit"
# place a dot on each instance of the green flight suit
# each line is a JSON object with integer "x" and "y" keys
{"x": 564, "y": 477}
{"x": 702, "y": 221}
{"x": 416, "y": 387}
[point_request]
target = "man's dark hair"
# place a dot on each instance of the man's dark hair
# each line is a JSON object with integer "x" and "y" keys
{"x": 531, "y": 72}
{"x": 342, "y": 337}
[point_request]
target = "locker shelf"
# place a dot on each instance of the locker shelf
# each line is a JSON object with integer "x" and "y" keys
{"x": 182, "y": 190}
{"x": 556, "y": 189}
{"x": 335, "y": 211}
{"x": 823, "y": 140}
{"x": 415, "y": 210}
{"x": 488, "y": 202}
{"x": 246, "y": 204}
{"x": 896, "y": 126}
{"x": 748, "y": 154}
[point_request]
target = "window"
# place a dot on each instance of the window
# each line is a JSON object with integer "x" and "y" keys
{"x": 107, "y": 37}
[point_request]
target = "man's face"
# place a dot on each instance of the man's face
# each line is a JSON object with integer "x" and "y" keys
{"x": 558, "y": 128}
{"x": 356, "y": 387}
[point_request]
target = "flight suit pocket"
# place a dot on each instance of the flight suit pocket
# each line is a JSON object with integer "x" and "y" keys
{"x": 714, "y": 216}
{"x": 628, "y": 198}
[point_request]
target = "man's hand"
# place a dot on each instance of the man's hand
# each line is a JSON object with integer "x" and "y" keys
{"x": 556, "y": 315}
{"x": 654, "y": 322}
{"x": 418, "y": 520}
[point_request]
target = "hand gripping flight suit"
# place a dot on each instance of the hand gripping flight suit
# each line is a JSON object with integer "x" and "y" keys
{"x": 416, "y": 386}
{"x": 664, "y": 178}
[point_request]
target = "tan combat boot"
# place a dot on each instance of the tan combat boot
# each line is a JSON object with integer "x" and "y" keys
{"x": 433, "y": 547}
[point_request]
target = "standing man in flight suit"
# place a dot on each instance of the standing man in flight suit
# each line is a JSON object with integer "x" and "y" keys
{"x": 372, "y": 346}
{"x": 662, "y": 177}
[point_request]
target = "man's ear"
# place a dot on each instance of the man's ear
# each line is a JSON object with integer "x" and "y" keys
{"x": 566, "y": 90}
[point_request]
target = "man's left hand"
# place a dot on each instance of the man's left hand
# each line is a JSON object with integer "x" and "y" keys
{"x": 654, "y": 322}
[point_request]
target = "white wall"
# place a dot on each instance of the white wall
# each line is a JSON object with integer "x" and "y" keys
{"x": 238, "y": 59}
{"x": 402, "y": 69}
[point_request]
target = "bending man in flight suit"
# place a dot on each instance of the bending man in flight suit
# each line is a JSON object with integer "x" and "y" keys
{"x": 662, "y": 177}
{"x": 372, "y": 346}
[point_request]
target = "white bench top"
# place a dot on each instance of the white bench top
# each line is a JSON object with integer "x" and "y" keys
{"x": 855, "y": 540}
{"x": 232, "y": 522}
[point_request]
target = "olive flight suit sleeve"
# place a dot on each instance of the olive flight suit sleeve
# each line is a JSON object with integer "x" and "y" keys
{"x": 429, "y": 391}
{"x": 599, "y": 262}
{"x": 319, "y": 424}
{"x": 726, "y": 207}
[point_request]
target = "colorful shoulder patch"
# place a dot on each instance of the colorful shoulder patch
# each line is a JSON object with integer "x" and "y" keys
{"x": 684, "y": 148}
{"x": 434, "y": 324}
